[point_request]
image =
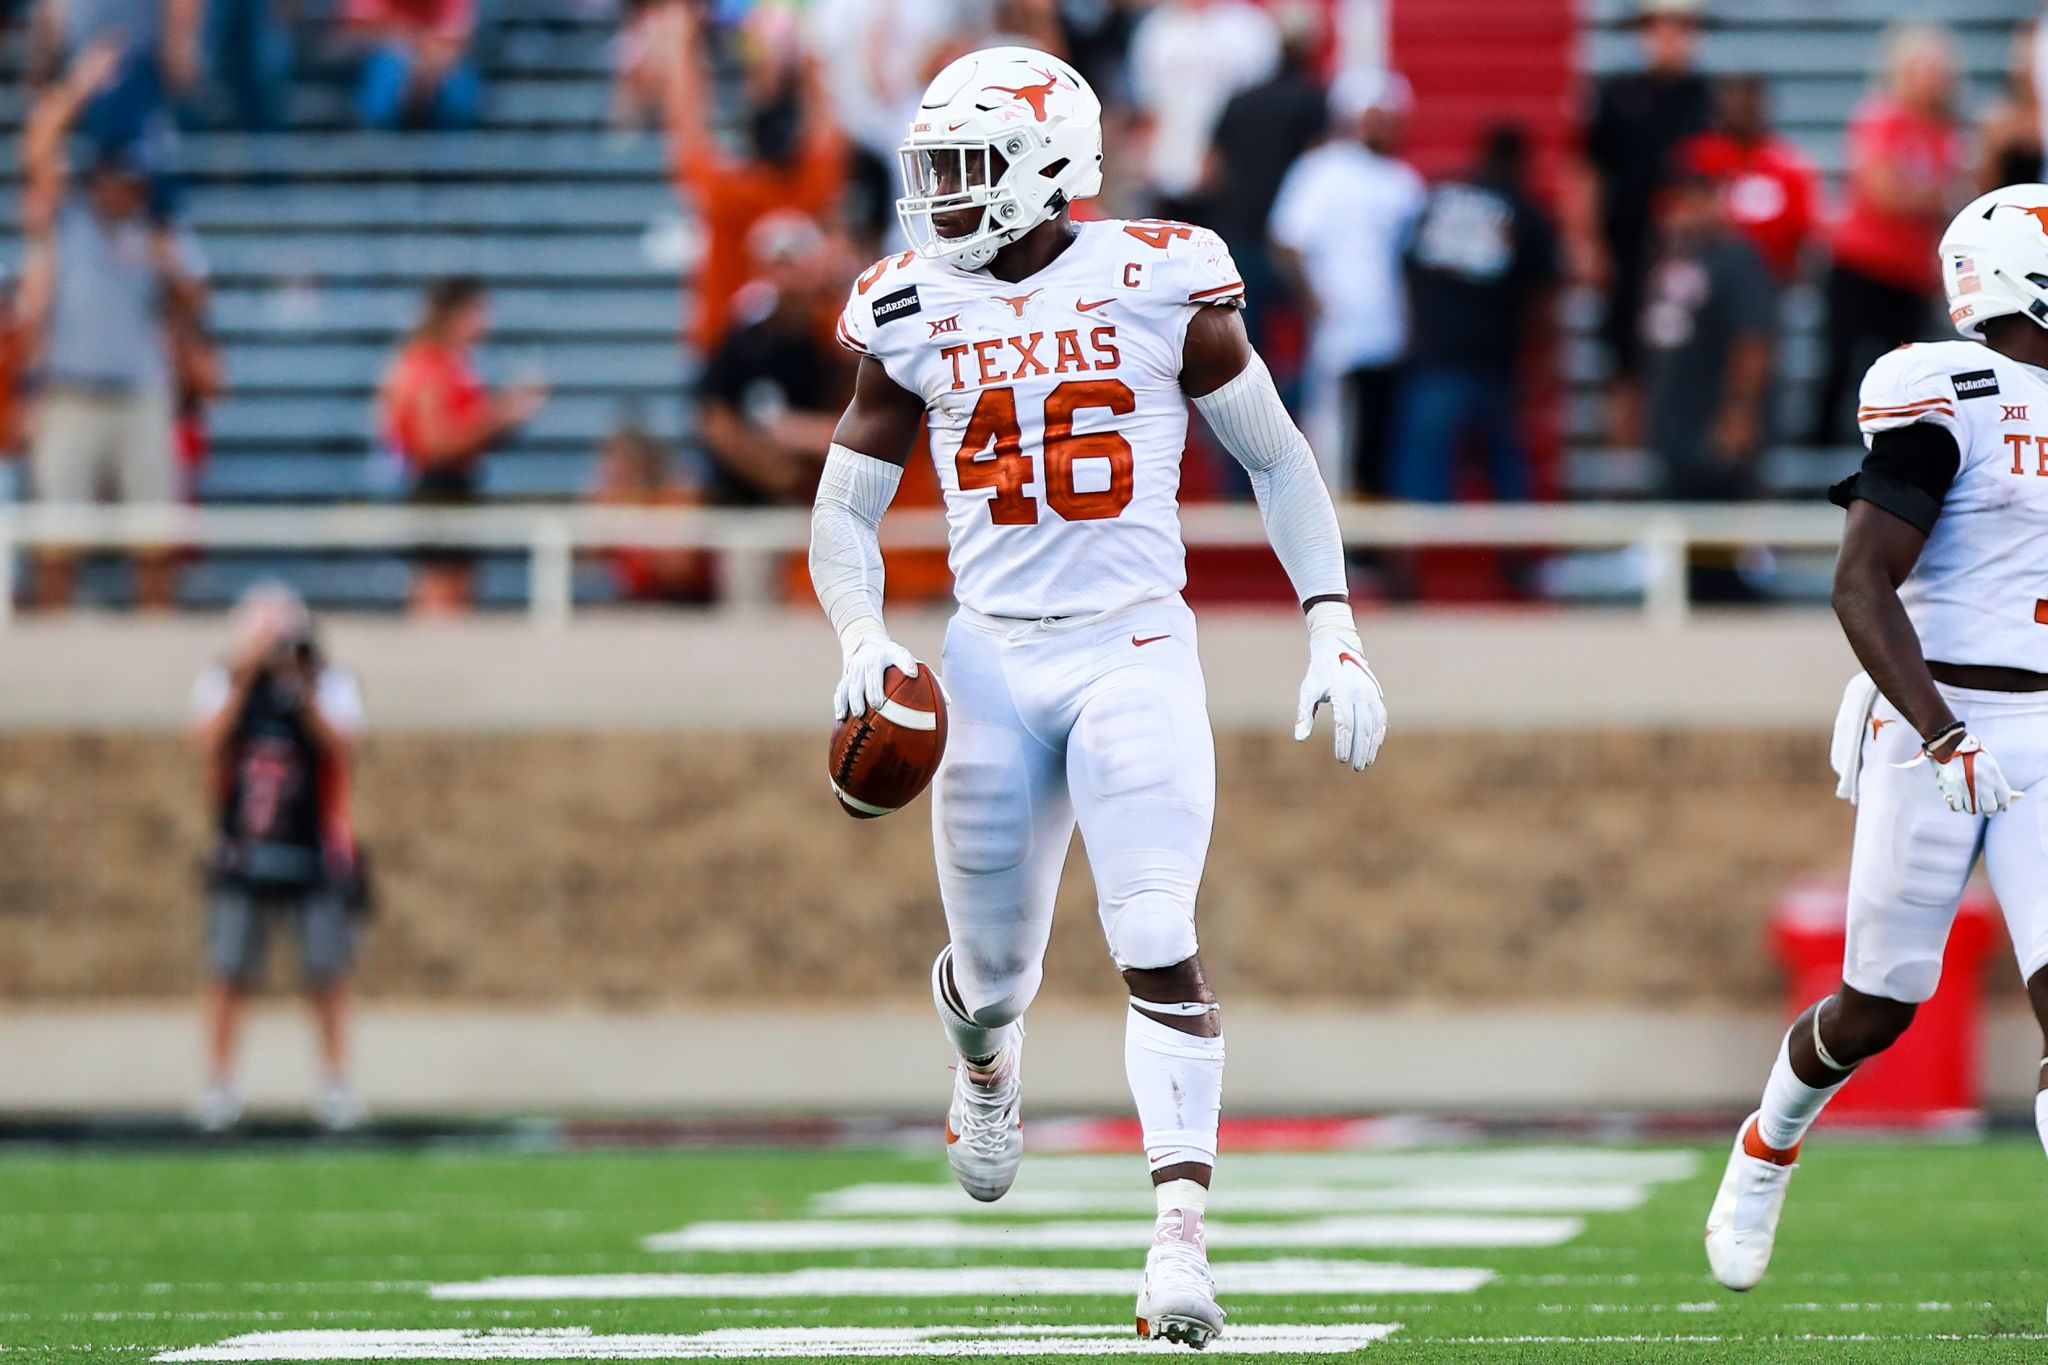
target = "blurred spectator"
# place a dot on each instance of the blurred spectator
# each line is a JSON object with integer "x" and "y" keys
{"x": 1480, "y": 273}
{"x": 1905, "y": 176}
{"x": 772, "y": 392}
{"x": 249, "y": 49}
{"x": 1774, "y": 194}
{"x": 638, "y": 73}
{"x": 277, "y": 723}
{"x": 1340, "y": 225}
{"x": 1262, "y": 132}
{"x": 634, "y": 471}
{"x": 197, "y": 379}
{"x": 794, "y": 158}
{"x": 14, "y": 361}
{"x": 103, "y": 284}
{"x": 1019, "y": 23}
{"x": 157, "y": 42}
{"x": 1707, "y": 332}
{"x": 1639, "y": 118}
{"x": 1188, "y": 57}
{"x": 419, "y": 72}
{"x": 1097, "y": 37}
{"x": 877, "y": 56}
{"x": 438, "y": 417}
{"x": 2009, "y": 137}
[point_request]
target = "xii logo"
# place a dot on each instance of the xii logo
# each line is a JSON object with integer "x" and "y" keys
{"x": 940, "y": 326}
{"x": 2012, "y": 412}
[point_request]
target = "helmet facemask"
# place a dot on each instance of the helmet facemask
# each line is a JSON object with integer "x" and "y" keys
{"x": 963, "y": 204}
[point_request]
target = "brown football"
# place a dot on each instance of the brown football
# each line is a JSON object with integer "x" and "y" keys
{"x": 881, "y": 761}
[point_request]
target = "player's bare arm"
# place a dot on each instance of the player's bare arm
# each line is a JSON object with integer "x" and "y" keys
{"x": 1234, "y": 392}
{"x": 1878, "y": 551}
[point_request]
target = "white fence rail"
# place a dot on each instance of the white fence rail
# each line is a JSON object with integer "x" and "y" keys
{"x": 750, "y": 540}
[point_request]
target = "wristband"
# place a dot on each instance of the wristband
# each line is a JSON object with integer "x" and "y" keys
{"x": 1954, "y": 728}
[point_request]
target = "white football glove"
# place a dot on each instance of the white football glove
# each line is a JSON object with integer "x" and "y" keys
{"x": 1338, "y": 675}
{"x": 1970, "y": 779}
{"x": 868, "y": 654}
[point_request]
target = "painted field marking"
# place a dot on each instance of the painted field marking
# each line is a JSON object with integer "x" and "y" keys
{"x": 1692, "y": 1339}
{"x": 764, "y": 1343}
{"x": 939, "y": 1234}
{"x": 1577, "y": 1165}
{"x": 1002, "y": 1282}
{"x": 910, "y": 1199}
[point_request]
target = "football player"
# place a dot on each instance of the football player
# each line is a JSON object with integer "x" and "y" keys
{"x": 1939, "y": 587}
{"x": 1053, "y": 362}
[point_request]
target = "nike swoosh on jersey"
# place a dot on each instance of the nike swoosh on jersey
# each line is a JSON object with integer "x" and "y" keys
{"x": 1081, "y": 307}
{"x": 1149, "y": 640}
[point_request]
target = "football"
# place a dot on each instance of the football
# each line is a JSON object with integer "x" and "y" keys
{"x": 880, "y": 761}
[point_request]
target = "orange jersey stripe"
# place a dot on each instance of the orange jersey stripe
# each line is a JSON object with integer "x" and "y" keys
{"x": 1921, "y": 406}
{"x": 1216, "y": 289}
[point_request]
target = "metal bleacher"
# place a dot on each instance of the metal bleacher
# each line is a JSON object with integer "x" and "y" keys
{"x": 319, "y": 238}
{"x": 1820, "y": 56}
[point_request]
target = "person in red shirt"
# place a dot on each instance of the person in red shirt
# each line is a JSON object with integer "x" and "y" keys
{"x": 795, "y": 161}
{"x": 418, "y": 73}
{"x": 1905, "y": 176}
{"x": 439, "y": 419}
{"x": 1772, "y": 193}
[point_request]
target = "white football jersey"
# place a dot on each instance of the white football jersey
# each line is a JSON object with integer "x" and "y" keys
{"x": 1055, "y": 408}
{"x": 1979, "y": 594}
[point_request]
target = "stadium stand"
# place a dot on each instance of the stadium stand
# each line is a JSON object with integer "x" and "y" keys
{"x": 1818, "y": 59}
{"x": 319, "y": 238}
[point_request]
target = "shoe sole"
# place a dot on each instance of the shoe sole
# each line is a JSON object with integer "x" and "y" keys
{"x": 1180, "y": 1330}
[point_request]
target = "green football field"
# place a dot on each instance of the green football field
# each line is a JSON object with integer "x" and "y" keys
{"x": 1890, "y": 1252}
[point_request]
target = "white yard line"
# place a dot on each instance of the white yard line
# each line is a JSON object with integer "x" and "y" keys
{"x": 763, "y": 1343}
{"x": 913, "y": 1200}
{"x": 1691, "y": 1339}
{"x": 997, "y": 1282}
{"x": 938, "y": 1234}
{"x": 1577, "y": 1165}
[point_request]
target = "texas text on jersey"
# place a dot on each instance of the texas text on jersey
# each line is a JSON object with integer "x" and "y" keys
{"x": 1054, "y": 404}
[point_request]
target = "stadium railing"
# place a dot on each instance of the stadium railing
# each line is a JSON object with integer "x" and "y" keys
{"x": 751, "y": 541}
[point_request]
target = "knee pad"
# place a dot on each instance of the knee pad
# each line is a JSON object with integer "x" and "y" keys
{"x": 1150, "y": 930}
{"x": 984, "y": 816}
{"x": 987, "y": 993}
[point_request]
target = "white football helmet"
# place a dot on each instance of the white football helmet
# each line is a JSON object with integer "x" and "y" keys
{"x": 1994, "y": 259}
{"x": 1010, "y": 132}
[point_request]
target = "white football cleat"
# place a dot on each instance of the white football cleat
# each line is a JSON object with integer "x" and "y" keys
{"x": 339, "y": 1111}
{"x": 219, "y": 1109}
{"x": 985, "y": 1125}
{"x": 1742, "y": 1227}
{"x": 1177, "y": 1301}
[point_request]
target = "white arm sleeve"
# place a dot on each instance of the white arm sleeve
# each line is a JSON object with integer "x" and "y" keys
{"x": 1248, "y": 417}
{"x": 846, "y": 551}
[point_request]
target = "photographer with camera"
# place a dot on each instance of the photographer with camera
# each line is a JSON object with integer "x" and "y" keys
{"x": 277, "y": 723}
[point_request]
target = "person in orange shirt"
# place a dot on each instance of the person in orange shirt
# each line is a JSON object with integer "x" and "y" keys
{"x": 795, "y": 160}
{"x": 438, "y": 417}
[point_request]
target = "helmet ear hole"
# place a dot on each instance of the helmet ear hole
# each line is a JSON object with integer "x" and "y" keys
{"x": 1055, "y": 168}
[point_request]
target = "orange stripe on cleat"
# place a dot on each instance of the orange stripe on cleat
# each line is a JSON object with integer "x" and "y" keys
{"x": 1753, "y": 1146}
